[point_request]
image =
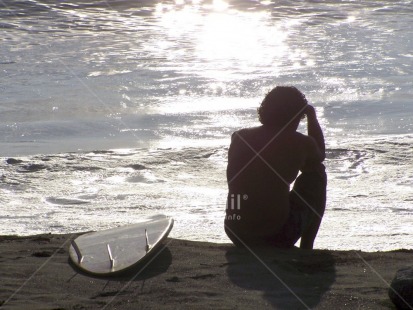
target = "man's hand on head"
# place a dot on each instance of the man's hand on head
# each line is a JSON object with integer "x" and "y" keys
{"x": 309, "y": 110}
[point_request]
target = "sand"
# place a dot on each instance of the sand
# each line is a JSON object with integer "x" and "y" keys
{"x": 35, "y": 273}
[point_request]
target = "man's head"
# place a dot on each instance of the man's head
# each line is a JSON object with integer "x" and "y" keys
{"x": 281, "y": 106}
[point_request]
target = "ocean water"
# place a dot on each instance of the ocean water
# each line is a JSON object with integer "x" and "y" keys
{"x": 114, "y": 110}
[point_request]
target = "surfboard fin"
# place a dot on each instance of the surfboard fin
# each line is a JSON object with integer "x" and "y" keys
{"x": 112, "y": 261}
{"x": 78, "y": 253}
{"x": 148, "y": 246}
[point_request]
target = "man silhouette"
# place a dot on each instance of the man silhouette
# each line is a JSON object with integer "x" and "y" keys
{"x": 262, "y": 164}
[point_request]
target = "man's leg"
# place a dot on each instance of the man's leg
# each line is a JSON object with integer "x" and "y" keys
{"x": 309, "y": 195}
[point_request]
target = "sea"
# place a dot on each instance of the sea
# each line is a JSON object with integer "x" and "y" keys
{"x": 112, "y": 111}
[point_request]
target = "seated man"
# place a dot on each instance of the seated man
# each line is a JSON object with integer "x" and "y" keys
{"x": 262, "y": 164}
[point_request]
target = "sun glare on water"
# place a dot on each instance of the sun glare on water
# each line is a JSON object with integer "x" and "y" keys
{"x": 220, "y": 42}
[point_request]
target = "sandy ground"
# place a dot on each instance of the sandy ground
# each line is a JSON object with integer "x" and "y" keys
{"x": 35, "y": 273}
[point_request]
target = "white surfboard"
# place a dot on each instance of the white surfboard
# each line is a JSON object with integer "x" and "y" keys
{"x": 115, "y": 250}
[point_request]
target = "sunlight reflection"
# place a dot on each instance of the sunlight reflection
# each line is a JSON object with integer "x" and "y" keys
{"x": 241, "y": 40}
{"x": 219, "y": 5}
{"x": 351, "y": 18}
{"x": 221, "y": 42}
{"x": 186, "y": 104}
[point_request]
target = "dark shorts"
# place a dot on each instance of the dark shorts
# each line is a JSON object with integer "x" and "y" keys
{"x": 308, "y": 193}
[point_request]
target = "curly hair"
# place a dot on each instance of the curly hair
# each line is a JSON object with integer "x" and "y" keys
{"x": 281, "y": 105}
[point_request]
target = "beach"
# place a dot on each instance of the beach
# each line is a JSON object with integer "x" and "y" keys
{"x": 36, "y": 274}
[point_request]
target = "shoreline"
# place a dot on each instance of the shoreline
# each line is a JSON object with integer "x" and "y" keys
{"x": 35, "y": 273}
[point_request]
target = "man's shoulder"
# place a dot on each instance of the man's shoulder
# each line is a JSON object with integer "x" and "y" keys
{"x": 301, "y": 136}
{"x": 245, "y": 132}
{"x": 249, "y": 129}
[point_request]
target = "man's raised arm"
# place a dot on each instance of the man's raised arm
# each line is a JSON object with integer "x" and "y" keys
{"x": 314, "y": 129}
